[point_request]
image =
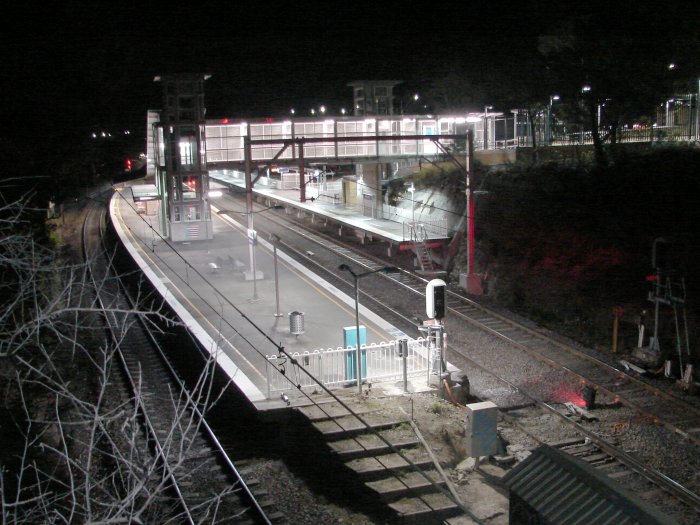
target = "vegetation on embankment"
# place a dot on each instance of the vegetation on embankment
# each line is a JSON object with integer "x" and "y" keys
{"x": 565, "y": 243}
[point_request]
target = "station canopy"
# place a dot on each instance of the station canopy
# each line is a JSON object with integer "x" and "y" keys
{"x": 145, "y": 192}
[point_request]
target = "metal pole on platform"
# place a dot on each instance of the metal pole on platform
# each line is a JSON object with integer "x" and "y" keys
{"x": 249, "y": 210}
{"x": 356, "y": 277}
{"x": 302, "y": 174}
{"x": 275, "y": 239}
{"x": 358, "y": 351}
{"x": 252, "y": 239}
{"x": 470, "y": 210}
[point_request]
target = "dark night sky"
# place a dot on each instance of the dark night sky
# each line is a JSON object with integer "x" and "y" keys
{"x": 93, "y": 63}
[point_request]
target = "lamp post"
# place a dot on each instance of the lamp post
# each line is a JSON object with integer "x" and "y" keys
{"x": 548, "y": 128}
{"x": 251, "y": 246}
{"x": 413, "y": 100}
{"x": 356, "y": 277}
{"x": 668, "y": 112}
{"x": 412, "y": 189}
{"x": 274, "y": 239}
{"x": 207, "y": 213}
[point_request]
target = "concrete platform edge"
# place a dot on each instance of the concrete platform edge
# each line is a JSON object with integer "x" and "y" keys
{"x": 227, "y": 365}
{"x": 350, "y": 301}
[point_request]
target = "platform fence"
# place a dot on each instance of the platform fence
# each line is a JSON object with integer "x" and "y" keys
{"x": 328, "y": 191}
{"x": 337, "y": 367}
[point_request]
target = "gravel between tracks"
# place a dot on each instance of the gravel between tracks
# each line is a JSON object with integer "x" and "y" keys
{"x": 442, "y": 424}
{"x": 660, "y": 448}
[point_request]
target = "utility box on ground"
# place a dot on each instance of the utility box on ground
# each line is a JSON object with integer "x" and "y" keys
{"x": 482, "y": 438}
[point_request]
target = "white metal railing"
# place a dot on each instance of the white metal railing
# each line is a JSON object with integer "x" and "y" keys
{"x": 431, "y": 229}
{"x": 329, "y": 191}
{"x": 225, "y": 140}
{"x": 337, "y": 367}
{"x": 290, "y": 181}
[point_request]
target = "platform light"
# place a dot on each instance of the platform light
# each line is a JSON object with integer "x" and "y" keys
{"x": 356, "y": 278}
{"x": 215, "y": 193}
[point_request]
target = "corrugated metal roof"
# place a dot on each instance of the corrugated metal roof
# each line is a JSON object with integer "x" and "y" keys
{"x": 564, "y": 489}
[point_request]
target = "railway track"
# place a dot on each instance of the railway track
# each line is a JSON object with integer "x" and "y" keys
{"x": 196, "y": 475}
{"x": 650, "y": 402}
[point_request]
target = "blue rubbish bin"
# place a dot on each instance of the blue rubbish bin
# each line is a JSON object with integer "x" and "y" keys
{"x": 350, "y": 341}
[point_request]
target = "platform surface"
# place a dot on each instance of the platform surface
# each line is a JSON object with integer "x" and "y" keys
{"x": 205, "y": 282}
{"x": 393, "y": 231}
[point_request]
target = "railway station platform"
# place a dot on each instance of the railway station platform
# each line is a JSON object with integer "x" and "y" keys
{"x": 366, "y": 225}
{"x": 237, "y": 319}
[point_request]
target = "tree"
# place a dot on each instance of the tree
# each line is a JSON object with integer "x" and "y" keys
{"x": 609, "y": 73}
{"x": 455, "y": 91}
{"x": 77, "y": 453}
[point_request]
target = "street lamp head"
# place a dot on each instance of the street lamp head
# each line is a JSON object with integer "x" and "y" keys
{"x": 555, "y": 97}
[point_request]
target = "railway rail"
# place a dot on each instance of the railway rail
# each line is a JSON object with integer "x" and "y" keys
{"x": 198, "y": 476}
{"x": 651, "y": 402}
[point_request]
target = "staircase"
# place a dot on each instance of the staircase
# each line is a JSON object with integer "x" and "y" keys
{"x": 419, "y": 237}
{"x": 384, "y": 455}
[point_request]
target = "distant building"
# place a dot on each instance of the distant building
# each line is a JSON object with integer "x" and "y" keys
{"x": 373, "y": 97}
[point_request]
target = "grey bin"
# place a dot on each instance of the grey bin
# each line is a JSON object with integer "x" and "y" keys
{"x": 296, "y": 323}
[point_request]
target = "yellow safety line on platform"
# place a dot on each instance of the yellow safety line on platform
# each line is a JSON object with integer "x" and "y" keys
{"x": 344, "y": 307}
